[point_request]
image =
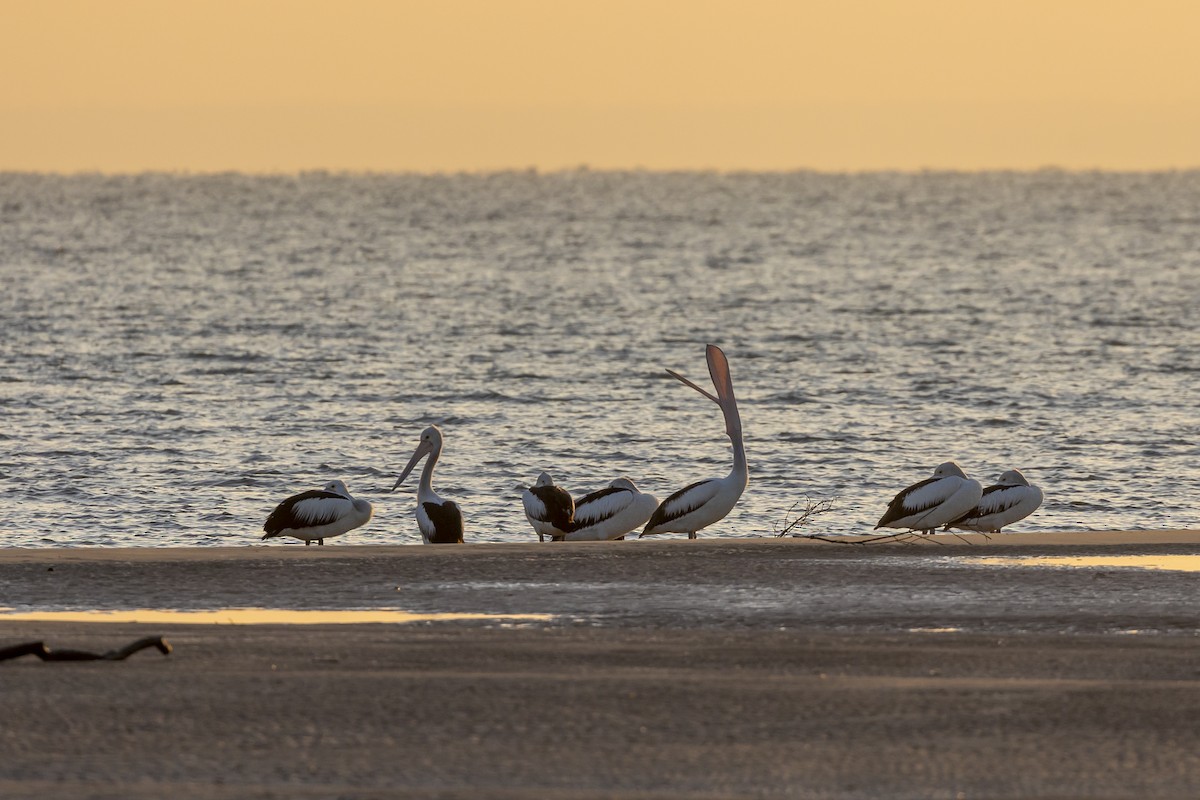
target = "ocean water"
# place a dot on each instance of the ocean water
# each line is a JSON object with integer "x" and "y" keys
{"x": 182, "y": 352}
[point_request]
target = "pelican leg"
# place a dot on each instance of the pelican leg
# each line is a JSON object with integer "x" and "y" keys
{"x": 691, "y": 534}
{"x": 307, "y": 542}
{"x": 321, "y": 542}
{"x": 541, "y": 538}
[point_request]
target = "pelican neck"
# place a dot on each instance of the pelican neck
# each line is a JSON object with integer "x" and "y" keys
{"x": 426, "y": 485}
{"x": 739, "y": 456}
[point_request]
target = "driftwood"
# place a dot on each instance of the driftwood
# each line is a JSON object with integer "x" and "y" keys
{"x": 792, "y": 521}
{"x": 40, "y": 650}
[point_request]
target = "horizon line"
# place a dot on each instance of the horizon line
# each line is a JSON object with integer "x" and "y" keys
{"x": 585, "y": 169}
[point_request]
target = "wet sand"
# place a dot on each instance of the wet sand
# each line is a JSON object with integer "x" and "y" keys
{"x": 715, "y": 668}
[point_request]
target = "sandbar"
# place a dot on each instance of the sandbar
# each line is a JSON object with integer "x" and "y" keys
{"x": 717, "y": 668}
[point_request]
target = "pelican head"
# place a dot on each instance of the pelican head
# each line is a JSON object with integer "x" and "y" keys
{"x": 337, "y": 487}
{"x": 1012, "y": 477}
{"x": 947, "y": 469}
{"x": 718, "y": 370}
{"x": 431, "y": 442}
{"x": 544, "y": 480}
{"x": 623, "y": 483}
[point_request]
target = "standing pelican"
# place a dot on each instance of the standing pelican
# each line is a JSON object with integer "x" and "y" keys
{"x": 318, "y": 514}
{"x": 440, "y": 521}
{"x": 1012, "y": 498}
{"x": 549, "y": 508}
{"x": 612, "y": 512}
{"x": 701, "y": 504}
{"x": 934, "y": 501}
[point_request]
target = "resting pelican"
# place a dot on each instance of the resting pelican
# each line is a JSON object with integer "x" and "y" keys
{"x": 1012, "y": 498}
{"x": 701, "y": 504}
{"x": 318, "y": 514}
{"x": 549, "y": 508}
{"x": 440, "y": 521}
{"x": 934, "y": 501}
{"x": 612, "y": 512}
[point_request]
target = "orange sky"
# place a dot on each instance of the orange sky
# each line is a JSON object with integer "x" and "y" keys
{"x": 270, "y": 85}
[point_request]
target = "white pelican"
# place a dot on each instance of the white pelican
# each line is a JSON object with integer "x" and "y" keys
{"x": 703, "y": 503}
{"x": 440, "y": 521}
{"x": 549, "y": 508}
{"x": 1012, "y": 498}
{"x": 611, "y": 512}
{"x": 934, "y": 501}
{"x": 317, "y": 515}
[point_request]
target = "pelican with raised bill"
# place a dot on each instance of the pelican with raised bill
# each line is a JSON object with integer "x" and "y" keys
{"x": 611, "y": 512}
{"x": 705, "y": 502}
{"x": 317, "y": 515}
{"x": 549, "y": 508}
{"x": 1010, "y": 499}
{"x": 931, "y": 503}
{"x": 440, "y": 521}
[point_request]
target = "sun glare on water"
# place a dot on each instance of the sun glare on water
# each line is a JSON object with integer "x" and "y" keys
{"x": 1173, "y": 563}
{"x": 257, "y": 616}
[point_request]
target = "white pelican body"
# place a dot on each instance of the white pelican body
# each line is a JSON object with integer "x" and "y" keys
{"x": 318, "y": 515}
{"x": 703, "y": 503}
{"x": 934, "y": 501}
{"x": 612, "y": 512}
{"x": 440, "y": 521}
{"x": 1012, "y": 498}
{"x": 549, "y": 508}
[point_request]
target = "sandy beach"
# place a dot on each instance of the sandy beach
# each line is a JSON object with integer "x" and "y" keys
{"x": 705, "y": 669}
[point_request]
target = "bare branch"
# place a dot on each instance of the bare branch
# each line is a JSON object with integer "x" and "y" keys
{"x": 792, "y": 521}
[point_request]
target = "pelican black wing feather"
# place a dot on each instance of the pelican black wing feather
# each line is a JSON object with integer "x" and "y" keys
{"x": 560, "y": 508}
{"x": 598, "y": 494}
{"x": 591, "y": 516}
{"x": 897, "y": 508}
{"x": 284, "y": 515}
{"x": 671, "y": 509}
{"x": 447, "y": 522}
{"x": 986, "y": 505}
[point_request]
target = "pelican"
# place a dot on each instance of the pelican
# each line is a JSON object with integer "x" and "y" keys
{"x": 318, "y": 514}
{"x": 611, "y": 512}
{"x": 549, "y": 508}
{"x": 703, "y": 503}
{"x": 934, "y": 501}
{"x": 1012, "y": 498}
{"x": 440, "y": 521}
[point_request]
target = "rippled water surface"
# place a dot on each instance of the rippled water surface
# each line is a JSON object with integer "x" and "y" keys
{"x": 182, "y": 352}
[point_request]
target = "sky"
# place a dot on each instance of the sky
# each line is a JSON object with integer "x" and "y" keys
{"x": 452, "y": 85}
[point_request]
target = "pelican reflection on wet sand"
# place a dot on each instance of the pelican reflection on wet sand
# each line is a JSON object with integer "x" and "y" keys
{"x": 701, "y": 504}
